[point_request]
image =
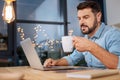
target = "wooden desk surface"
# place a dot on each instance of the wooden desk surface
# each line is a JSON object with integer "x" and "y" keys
{"x": 32, "y": 74}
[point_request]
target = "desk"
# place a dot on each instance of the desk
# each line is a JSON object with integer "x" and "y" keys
{"x": 32, "y": 74}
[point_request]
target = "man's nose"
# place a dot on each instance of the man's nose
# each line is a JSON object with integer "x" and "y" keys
{"x": 81, "y": 21}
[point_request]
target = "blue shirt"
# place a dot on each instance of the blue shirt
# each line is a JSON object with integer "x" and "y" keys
{"x": 107, "y": 37}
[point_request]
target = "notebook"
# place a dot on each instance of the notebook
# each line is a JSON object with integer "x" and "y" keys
{"x": 89, "y": 74}
{"x": 33, "y": 57}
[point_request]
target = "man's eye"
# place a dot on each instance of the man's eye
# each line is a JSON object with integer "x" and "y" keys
{"x": 86, "y": 17}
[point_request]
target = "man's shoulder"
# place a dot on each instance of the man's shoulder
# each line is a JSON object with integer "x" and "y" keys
{"x": 112, "y": 33}
{"x": 114, "y": 30}
{"x": 111, "y": 29}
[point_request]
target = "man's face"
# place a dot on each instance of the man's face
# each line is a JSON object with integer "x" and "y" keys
{"x": 88, "y": 20}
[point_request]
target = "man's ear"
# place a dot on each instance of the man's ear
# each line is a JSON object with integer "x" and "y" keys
{"x": 99, "y": 15}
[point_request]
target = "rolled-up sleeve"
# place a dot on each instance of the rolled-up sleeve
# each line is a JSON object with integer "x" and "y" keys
{"x": 74, "y": 58}
{"x": 113, "y": 42}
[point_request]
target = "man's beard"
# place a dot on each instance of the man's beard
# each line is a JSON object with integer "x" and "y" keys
{"x": 90, "y": 30}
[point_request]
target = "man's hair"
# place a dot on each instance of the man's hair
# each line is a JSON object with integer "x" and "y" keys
{"x": 95, "y": 7}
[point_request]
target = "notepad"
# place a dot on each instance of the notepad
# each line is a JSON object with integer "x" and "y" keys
{"x": 89, "y": 74}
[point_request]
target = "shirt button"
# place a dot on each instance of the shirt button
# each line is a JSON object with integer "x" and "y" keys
{"x": 90, "y": 60}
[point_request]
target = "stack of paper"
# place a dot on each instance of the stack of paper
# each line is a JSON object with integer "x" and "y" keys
{"x": 92, "y": 73}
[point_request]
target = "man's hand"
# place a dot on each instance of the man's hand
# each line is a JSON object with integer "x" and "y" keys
{"x": 82, "y": 44}
{"x": 50, "y": 62}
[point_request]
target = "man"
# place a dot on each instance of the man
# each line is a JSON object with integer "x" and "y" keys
{"x": 101, "y": 44}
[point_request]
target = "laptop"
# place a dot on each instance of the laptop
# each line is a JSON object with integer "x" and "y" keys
{"x": 33, "y": 57}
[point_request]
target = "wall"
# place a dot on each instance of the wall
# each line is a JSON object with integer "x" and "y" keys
{"x": 113, "y": 12}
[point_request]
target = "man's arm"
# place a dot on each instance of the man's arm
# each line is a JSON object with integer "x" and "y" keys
{"x": 108, "y": 59}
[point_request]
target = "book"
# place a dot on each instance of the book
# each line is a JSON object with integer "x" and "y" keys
{"x": 89, "y": 74}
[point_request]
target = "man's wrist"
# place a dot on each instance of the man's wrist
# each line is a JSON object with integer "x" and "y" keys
{"x": 118, "y": 63}
{"x": 92, "y": 47}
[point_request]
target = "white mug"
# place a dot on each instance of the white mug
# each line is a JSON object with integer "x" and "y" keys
{"x": 67, "y": 44}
